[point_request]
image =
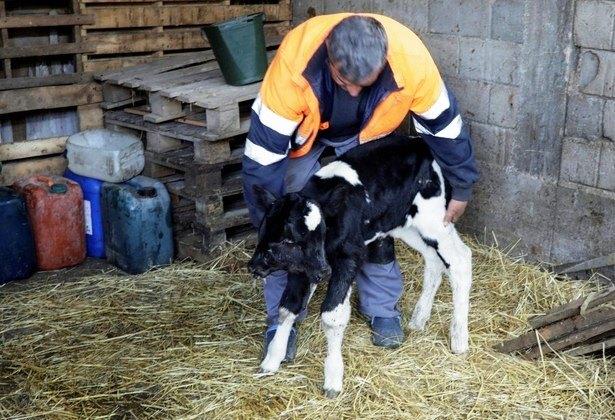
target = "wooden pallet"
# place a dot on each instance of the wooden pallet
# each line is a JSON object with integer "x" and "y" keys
{"x": 183, "y": 86}
{"x": 29, "y": 157}
{"x": 133, "y": 32}
{"x": 26, "y": 38}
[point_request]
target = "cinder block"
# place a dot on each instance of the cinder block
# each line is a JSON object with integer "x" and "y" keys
{"x": 583, "y": 227}
{"x": 606, "y": 170}
{"x": 516, "y": 207}
{"x": 474, "y": 18}
{"x": 580, "y": 160}
{"x": 444, "y": 16}
{"x": 503, "y": 61}
{"x": 491, "y": 144}
{"x": 584, "y": 116}
{"x": 502, "y": 105}
{"x": 445, "y": 51}
{"x": 608, "y": 120}
{"x": 413, "y": 14}
{"x": 507, "y": 20}
{"x": 338, "y": 6}
{"x": 596, "y": 72}
{"x": 472, "y": 58}
{"x": 473, "y": 98}
{"x": 593, "y": 24}
{"x": 491, "y": 60}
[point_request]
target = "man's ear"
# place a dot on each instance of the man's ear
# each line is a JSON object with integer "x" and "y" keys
{"x": 264, "y": 198}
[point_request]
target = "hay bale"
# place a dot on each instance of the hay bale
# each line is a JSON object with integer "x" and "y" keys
{"x": 186, "y": 340}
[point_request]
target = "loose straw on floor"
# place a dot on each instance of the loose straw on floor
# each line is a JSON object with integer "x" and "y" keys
{"x": 185, "y": 341}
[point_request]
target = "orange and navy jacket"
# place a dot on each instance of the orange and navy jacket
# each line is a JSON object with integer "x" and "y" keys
{"x": 295, "y": 103}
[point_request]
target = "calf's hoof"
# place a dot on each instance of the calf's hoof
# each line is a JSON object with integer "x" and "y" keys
{"x": 459, "y": 345}
{"x": 331, "y": 393}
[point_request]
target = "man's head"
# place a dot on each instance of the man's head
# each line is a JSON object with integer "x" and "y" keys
{"x": 357, "y": 50}
{"x": 291, "y": 237}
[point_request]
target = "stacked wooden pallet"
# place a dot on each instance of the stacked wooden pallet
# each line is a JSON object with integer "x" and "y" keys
{"x": 42, "y": 82}
{"x": 194, "y": 128}
{"x": 584, "y": 326}
{"x": 133, "y": 32}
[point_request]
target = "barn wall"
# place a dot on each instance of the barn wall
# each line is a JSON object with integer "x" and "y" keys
{"x": 535, "y": 83}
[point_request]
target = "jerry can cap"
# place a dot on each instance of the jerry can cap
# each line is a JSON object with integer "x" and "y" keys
{"x": 58, "y": 189}
{"x": 147, "y": 192}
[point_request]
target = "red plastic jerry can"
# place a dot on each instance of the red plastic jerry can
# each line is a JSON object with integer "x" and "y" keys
{"x": 55, "y": 208}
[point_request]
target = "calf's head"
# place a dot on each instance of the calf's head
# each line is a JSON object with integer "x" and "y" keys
{"x": 291, "y": 237}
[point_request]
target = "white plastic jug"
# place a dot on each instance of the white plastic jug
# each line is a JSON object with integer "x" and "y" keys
{"x": 106, "y": 155}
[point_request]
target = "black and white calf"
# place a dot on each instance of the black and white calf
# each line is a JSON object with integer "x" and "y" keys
{"x": 390, "y": 187}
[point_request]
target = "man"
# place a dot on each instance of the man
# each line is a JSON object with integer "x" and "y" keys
{"x": 338, "y": 81}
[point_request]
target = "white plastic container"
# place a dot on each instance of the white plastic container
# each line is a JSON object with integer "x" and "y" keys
{"x": 106, "y": 155}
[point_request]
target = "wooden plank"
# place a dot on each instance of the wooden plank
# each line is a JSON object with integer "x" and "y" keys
{"x": 12, "y": 171}
{"x": 34, "y": 21}
{"x": 100, "y": 65}
{"x": 180, "y": 15}
{"x": 32, "y": 148}
{"x": 557, "y": 330}
{"x": 168, "y": 40}
{"x": 160, "y": 66}
{"x": 46, "y": 50}
{"x": 591, "y": 264}
{"x": 576, "y": 337}
{"x": 172, "y": 129}
{"x": 53, "y": 80}
{"x": 49, "y": 97}
{"x": 591, "y": 348}
{"x": 179, "y": 77}
{"x": 572, "y": 308}
{"x": 214, "y": 93}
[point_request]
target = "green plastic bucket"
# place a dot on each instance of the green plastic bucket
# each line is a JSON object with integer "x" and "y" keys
{"x": 239, "y": 47}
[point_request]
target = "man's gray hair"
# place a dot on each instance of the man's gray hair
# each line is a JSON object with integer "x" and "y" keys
{"x": 357, "y": 46}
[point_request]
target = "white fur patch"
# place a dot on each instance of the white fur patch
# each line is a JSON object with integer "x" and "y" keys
{"x": 340, "y": 169}
{"x": 376, "y": 236}
{"x": 313, "y": 218}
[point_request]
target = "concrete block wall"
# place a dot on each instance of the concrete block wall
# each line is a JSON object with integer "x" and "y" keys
{"x": 536, "y": 83}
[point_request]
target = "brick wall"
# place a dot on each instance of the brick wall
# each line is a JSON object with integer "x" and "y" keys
{"x": 536, "y": 83}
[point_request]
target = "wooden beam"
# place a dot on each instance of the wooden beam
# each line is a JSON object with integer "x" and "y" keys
{"x": 49, "y": 97}
{"x": 12, "y": 171}
{"x": 32, "y": 148}
{"x": 45, "y": 50}
{"x": 33, "y": 21}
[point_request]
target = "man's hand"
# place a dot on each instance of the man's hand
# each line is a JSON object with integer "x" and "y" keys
{"x": 454, "y": 211}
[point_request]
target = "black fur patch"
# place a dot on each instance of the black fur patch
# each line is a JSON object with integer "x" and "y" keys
{"x": 434, "y": 244}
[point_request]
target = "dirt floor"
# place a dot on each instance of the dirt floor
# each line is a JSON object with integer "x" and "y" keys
{"x": 185, "y": 341}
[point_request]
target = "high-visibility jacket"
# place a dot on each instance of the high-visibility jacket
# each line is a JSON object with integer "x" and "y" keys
{"x": 295, "y": 103}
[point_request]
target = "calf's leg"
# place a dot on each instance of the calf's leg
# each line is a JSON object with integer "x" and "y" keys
{"x": 290, "y": 306}
{"x": 335, "y": 317}
{"x": 432, "y": 277}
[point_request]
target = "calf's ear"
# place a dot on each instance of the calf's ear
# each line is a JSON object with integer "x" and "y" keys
{"x": 264, "y": 198}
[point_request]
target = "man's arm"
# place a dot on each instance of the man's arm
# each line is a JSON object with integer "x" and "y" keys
{"x": 448, "y": 137}
{"x": 276, "y": 114}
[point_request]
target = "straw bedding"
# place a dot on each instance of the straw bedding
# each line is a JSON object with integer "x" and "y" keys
{"x": 185, "y": 341}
